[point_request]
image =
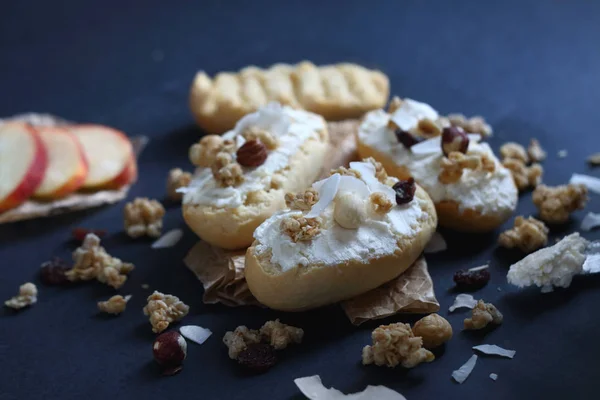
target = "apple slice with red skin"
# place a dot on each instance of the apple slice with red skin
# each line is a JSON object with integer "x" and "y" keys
{"x": 67, "y": 166}
{"x": 109, "y": 154}
{"x": 23, "y": 163}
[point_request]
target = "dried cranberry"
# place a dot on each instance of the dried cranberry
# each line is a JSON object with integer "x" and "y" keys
{"x": 405, "y": 190}
{"x": 80, "y": 233}
{"x": 53, "y": 272}
{"x": 407, "y": 138}
{"x": 471, "y": 280}
{"x": 258, "y": 357}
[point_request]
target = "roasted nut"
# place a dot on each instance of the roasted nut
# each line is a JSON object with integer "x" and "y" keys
{"x": 405, "y": 190}
{"x": 252, "y": 153}
{"x": 469, "y": 280}
{"x": 258, "y": 357}
{"x": 482, "y": 315}
{"x": 349, "y": 210}
{"x": 434, "y": 330}
{"x": 454, "y": 139}
{"x": 53, "y": 272}
{"x": 169, "y": 350}
{"x": 407, "y": 139}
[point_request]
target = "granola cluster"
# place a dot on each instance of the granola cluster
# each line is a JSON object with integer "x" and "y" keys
{"x": 396, "y": 344}
{"x": 277, "y": 334}
{"x": 143, "y": 217}
{"x": 256, "y": 133}
{"x": 474, "y": 124}
{"x": 203, "y": 153}
{"x": 299, "y": 228}
{"x": 516, "y": 159}
{"x": 115, "y": 305}
{"x": 164, "y": 309}
{"x": 456, "y": 162}
{"x": 345, "y": 172}
{"x": 26, "y": 297}
{"x": 380, "y": 203}
{"x": 93, "y": 262}
{"x": 380, "y": 172}
{"x": 556, "y": 203}
{"x": 226, "y": 171}
{"x": 177, "y": 179}
{"x": 302, "y": 200}
{"x": 428, "y": 128}
{"x": 482, "y": 315}
{"x": 528, "y": 235}
{"x": 514, "y": 151}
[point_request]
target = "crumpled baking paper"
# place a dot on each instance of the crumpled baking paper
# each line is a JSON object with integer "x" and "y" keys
{"x": 76, "y": 201}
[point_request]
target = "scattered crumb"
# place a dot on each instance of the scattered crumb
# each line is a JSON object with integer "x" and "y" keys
{"x": 115, "y": 305}
{"x": 528, "y": 235}
{"x": 556, "y": 203}
{"x": 164, "y": 309}
{"x": 493, "y": 376}
{"x": 535, "y": 151}
{"x": 482, "y": 315}
{"x": 145, "y": 286}
{"x": 563, "y": 153}
{"x": 396, "y": 344}
{"x": 177, "y": 179}
{"x": 27, "y": 296}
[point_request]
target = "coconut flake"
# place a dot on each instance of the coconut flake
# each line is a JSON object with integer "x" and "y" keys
{"x": 313, "y": 389}
{"x": 327, "y": 191}
{"x": 475, "y": 269}
{"x": 592, "y": 183}
{"x": 461, "y": 374}
{"x": 195, "y": 333}
{"x": 169, "y": 239}
{"x": 436, "y": 244}
{"x": 562, "y": 153}
{"x": 590, "y": 221}
{"x": 591, "y": 264}
{"x": 493, "y": 350}
{"x": 463, "y": 300}
{"x": 493, "y": 376}
{"x": 269, "y": 117}
{"x": 367, "y": 174}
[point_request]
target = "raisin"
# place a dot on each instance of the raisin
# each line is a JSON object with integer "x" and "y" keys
{"x": 407, "y": 138}
{"x": 53, "y": 272}
{"x": 405, "y": 190}
{"x": 80, "y": 233}
{"x": 258, "y": 357}
{"x": 471, "y": 280}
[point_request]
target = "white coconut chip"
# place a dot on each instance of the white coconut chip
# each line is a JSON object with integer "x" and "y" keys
{"x": 563, "y": 153}
{"x": 436, "y": 244}
{"x": 591, "y": 264}
{"x": 590, "y": 221}
{"x": 592, "y": 183}
{"x": 493, "y": 376}
{"x": 463, "y": 300}
{"x": 313, "y": 389}
{"x": 493, "y": 350}
{"x": 434, "y": 145}
{"x": 169, "y": 239}
{"x": 461, "y": 374}
{"x": 195, "y": 333}
{"x": 367, "y": 174}
{"x": 481, "y": 267}
{"x": 327, "y": 190}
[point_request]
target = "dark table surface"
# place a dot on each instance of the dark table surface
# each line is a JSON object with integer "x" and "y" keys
{"x": 531, "y": 68}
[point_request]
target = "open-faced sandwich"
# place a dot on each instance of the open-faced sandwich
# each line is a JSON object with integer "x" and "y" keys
{"x": 243, "y": 175}
{"x": 471, "y": 189}
{"x": 346, "y": 235}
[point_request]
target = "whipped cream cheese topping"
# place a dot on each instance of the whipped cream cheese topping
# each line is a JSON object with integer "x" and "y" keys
{"x": 291, "y": 127}
{"x": 377, "y": 236}
{"x": 488, "y": 193}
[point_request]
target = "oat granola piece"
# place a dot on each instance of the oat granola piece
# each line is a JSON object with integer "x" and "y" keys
{"x": 455, "y": 163}
{"x": 482, "y": 315}
{"x": 202, "y": 154}
{"x": 115, "y": 305}
{"x": 514, "y": 151}
{"x": 299, "y": 228}
{"x": 556, "y": 203}
{"x": 434, "y": 329}
{"x": 380, "y": 172}
{"x": 428, "y": 128}
{"x": 474, "y": 124}
{"x": 396, "y": 344}
{"x": 91, "y": 261}
{"x": 177, "y": 179}
{"x": 528, "y": 235}
{"x": 27, "y": 296}
{"x": 524, "y": 176}
{"x": 345, "y": 172}
{"x": 395, "y": 104}
{"x": 303, "y": 200}
{"x": 143, "y": 217}
{"x": 256, "y": 133}
{"x": 239, "y": 339}
{"x": 226, "y": 171}
{"x": 164, "y": 309}
{"x": 535, "y": 151}
{"x": 380, "y": 203}
{"x": 281, "y": 335}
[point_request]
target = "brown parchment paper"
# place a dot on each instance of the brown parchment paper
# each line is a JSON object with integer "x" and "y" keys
{"x": 221, "y": 272}
{"x": 76, "y": 201}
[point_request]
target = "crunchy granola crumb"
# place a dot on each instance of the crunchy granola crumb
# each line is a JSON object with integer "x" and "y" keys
{"x": 93, "y": 262}
{"x": 535, "y": 151}
{"x": 280, "y": 335}
{"x": 524, "y": 176}
{"x": 226, "y": 171}
{"x": 202, "y": 154}
{"x": 143, "y": 217}
{"x": 395, "y": 104}
{"x": 514, "y": 151}
{"x": 482, "y": 315}
{"x": 177, "y": 179}
{"x": 27, "y": 296}
{"x": 264, "y": 136}
{"x": 239, "y": 339}
{"x": 164, "y": 309}
{"x": 302, "y": 200}
{"x": 474, "y": 124}
{"x": 428, "y": 129}
{"x": 528, "y": 235}
{"x": 345, "y": 172}
{"x": 299, "y": 228}
{"x": 380, "y": 172}
{"x": 115, "y": 305}
{"x": 380, "y": 203}
{"x": 455, "y": 163}
{"x": 555, "y": 204}
{"x": 396, "y": 344}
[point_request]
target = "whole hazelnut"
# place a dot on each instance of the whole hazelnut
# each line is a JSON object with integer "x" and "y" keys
{"x": 169, "y": 350}
{"x": 252, "y": 153}
{"x": 434, "y": 330}
{"x": 454, "y": 139}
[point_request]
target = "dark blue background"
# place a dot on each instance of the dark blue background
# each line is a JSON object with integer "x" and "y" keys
{"x": 531, "y": 68}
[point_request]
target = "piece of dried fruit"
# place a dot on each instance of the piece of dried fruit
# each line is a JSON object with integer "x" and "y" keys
{"x": 454, "y": 139}
{"x": 80, "y": 233}
{"x": 169, "y": 350}
{"x": 252, "y": 153}
{"x": 471, "y": 280}
{"x": 258, "y": 357}
{"x": 407, "y": 139}
{"x": 53, "y": 272}
{"x": 405, "y": 190}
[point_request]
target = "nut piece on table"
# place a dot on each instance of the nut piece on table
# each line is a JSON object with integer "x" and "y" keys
{"x": 177, "y": 179}
{"x": 281, "y": 335}
{"x": 482, "y": 315}
{"x": 528, "y": 235}
{"x": 299, "y": 228}
{"x": 93, "y": 262}
{"x": 556, "y": 203}
{"x": 454, "y": 139}
{"x": 143, "y": 217}
{"x": 239, "y": 339}
{"x": 535, "y": 151}
{"x": 395, "y": 344}
{"x": 253, "y": 153}
{"x": 164, "y": 309}
{"x": 303, "y": 200}
{"x": 115, "y": 305}
{"x": 170, "y": 350}
{"x": 26, "y": 297}
{"x": 512, "y": 150}
{"x": 523, "y": 175}
{"x": 434, "y": 329}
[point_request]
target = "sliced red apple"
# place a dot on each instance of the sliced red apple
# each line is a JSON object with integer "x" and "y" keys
{"x": 67, "y": 166}
{"x": 23, "y": 162}
{"x": 109, "y": 155}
